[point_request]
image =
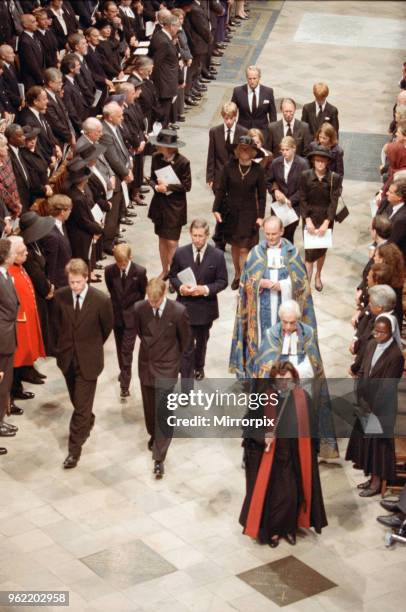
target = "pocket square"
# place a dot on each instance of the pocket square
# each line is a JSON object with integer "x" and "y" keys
{"x": 326, "y": 118}
{"x": 266, "y": 102}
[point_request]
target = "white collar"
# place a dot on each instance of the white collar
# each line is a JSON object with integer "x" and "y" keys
{"x": 396, "y": 208}
{"x": 70, "y": 78}
{"x": 251, "y": 91}
{"x": 4, "y": 272}
{"x": 167, "y": 33}
{"x": 29, "y": 33}
{"x": 82, "y": 296}
{"x": 232, "y": 129}
{"x": 202, "y": 251}
{"x": 36, "y": 113}
{"x": 59, "y": 224}
{"x": 285, "y": 124}
{"x": 323, "y": 106}
{"x": 51, "y": 93}
{"x": 161, "y": 308}
{"x": 289, "y": 346}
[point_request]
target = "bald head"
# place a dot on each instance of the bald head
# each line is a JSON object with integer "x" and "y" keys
{"x": 273, "y": 230}
{"x": 113, "y": 113}
{"x": 92, "y": 128}
{"x": 7, "y": 54}
{"x": 29, "y": 22}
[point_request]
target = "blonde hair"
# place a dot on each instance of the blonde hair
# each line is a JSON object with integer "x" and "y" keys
{"x": 255, "y": 132}
{"x": 122, "y": 252}
{"x": 77, "y": 267}
{"x": 229, "y": 109}
{"x": 288, "y": 141}
{"x": 156, "y": 288}
{"x": 328, "y": 130}
{"x": 58, "y": 203}
{"x": 320, "y": 91}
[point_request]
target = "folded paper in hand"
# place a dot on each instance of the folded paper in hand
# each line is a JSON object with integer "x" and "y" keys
{"x": 97, "y": 214}
{"x": 286, "y": 214}
{"x": 187, "y": 277}
{"x": 168, "y": 175}
{"x": 314, "y": 241}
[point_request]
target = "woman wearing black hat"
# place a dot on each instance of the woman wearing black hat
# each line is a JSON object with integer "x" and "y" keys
{"x": 319, "y": 192}
{"x": 240, "y": 202}
{"x": 168, "y": 208}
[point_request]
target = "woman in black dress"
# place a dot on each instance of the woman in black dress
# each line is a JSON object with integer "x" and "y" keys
{"x": 319, "y": 192}
{"x": 381, "y": 368}
{"x": 282, "y": 475}
{"x": 240, "y": 202}
{"x": 168, "y": 208}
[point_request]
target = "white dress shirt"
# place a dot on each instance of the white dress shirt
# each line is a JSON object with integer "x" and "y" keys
{"x": 250, "y": 95}
{"x": 59, "y": 15}
{"x": 232, "y": 131}
{"x": 286, "y": 169}
{"x": 160, "y": 309}
{"x": 59, "y": 225}
{"x": 396, "y": 208}
{"x": 317, "y": 105}
{"x": 285, "y": 125}
{"x": 82, "y": 297}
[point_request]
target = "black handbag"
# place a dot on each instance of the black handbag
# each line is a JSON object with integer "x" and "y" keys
{"x": 342, "y": 211}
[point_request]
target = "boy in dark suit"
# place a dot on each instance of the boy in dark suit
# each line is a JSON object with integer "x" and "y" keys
{"x": 127, "y": 283}
{"x": 320, "y": 111}
{"x": 83, "y": 322}
{"x": 209, "y": 267}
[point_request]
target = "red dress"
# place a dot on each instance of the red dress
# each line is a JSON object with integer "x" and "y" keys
{"x": 29, "y": 336}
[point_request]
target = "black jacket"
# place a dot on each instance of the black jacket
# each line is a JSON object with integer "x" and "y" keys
{"x": 81, "y": 225}
{"x": 46, "y": 138}
{"x": 57, "y": 116}
{"x": 11, "y": 80}
{"x": 276, "y": 178}
{"x": 49, "y": 45}
{"x": 398, "y": 232}
{"x": 75, "y": 104}
{"x": 266, "y": 110}
{"x": 218, "y": 154}
{"x": 57, "y": 252}
{"x": 166, "y": 66}
{"x": 170, "y": 210}
{"x": 32, "y": 60}
{"x": 301, "y": 134}
{"x": 123, "y": 299}
{"x": 314, "y": 121}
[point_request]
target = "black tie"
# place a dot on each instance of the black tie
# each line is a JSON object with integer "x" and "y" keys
{"x": 254, "y": 102}
{"x": 77, "y": 307}
{"x": 198, "y": 257}
{"x": 156, "y": 315}
{"x": 319, "y": 114}
{"x": 123, "y": 279}
{"x": 228, "y": 139}
{"x": 289, "y": 131}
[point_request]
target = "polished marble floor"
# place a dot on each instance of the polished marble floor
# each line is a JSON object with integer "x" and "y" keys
{"x": 110, "y": 534}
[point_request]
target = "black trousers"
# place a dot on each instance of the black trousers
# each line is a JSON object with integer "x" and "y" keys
{"x": 81, "y": 394}
{"x": 194, "y": 357}
{"x": 166, "y": 107}
{"x": 125, "y": 342}
{"x": 6, "y": 366}
{"x": 111, "y": 224}
{"x": 155, "y": 412}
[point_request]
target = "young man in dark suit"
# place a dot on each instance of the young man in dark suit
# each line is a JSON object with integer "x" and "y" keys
{"x": 255, "y": 102}
{"x": 57, "y": 114}
{"x": 83, "y": 322}
{"x": 164, "y": 331}
{"x": 127, "y": 283}
{"x": 56, "y": 246}
{"x": 289, "y": 126}
{"x": 210, "y": 270}
{"x": 30, "y": 53}
{"x": 221, "y": 139}
{"x": 320, "y": 111}
{"x": 396, "y": 211}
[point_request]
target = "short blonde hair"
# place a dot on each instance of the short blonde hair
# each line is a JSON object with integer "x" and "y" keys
{"x": 77, "y": 267}
{"x": 229, "y": 109}
{"x": 122, "y": 252}
{"x": 58, "y": 203}
{"x": 288, "y": 141}
{"x": 320, "y": 91}
{"x": 156, "y": 288}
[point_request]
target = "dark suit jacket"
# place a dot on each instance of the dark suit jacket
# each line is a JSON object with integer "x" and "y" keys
{"x": 49, "y": 45}
{"x": 166, "y": 67}
{"x": 95, "y": 62}
{"x": 81, "y": 225}
{"x": 123, "y": 300}
{"x": 291, "y": 188}
{"x": 46, "y": 138}
{"x": 23, "y": 180}
{"x": 115, "y": 154}
{"x": 57, "y": 252}
{"x": 8, "y": 315}
{"x": 170, "y": 210}
{"x": 75, "y": 104}
{"x": 218, "y": 155}
{"x": 11, "y": 80}
{"x": 310, "y": 116}
{"x": 32, "y": 60}
{"x": 301, "y": 134}
{"x": 58, "y": 118}
{"x": 71, "y": 25}
{"x": 85, "y": 337}
{"x": 197, "y": 30}
{"x": 266, "y": 110}
{"x": 212, "y": 272}
{"x": 86, "y": 82}
{"x": 398, "y": 233}
{"x": 163, "y": 344}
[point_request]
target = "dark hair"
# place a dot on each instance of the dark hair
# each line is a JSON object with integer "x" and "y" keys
{"x": 5, "y": 246}
{"x": 392, "y": 256}
{"x": 288, "y": 100}
{"x": 400, "y": 187}
{"x": 283, "y": 367}
{"x": 68, "y": 63}
{"x": 33, "y": 93}
{"x": 381, "y": 274}
{"x": 200, "y": 224}
{"x": 382, "y": 225}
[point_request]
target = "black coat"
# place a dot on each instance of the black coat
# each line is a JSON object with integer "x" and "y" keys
{"x": 5, "y": 102}
{"x": 75, "y": 104}
{"x": 23, "y": 180}
{"x": 123, "y": 300}
{"x": 301, "y": 134}
{"x": 32, "y": 60}
{"x": 314, "y": 121}
{"x": 95, "y": 62}
{"x": 276, "y": 178}
{"x": 166, "y": 66}
{"x": 57, "y": 252}
{"x": 46, "y": 138}
{"x": 86, "y": 82}
{"x": 398, "y": 232}
{"x": 149, "y": 102}
{"x": 266, "y": 110}
{"x": 110, "y": 57}
{"x": 84, "y": 337}
{"x": 49, "y": 44}
{"x": 11, "y": 80}
{"x": 241, "y": 201}
{"x": 81, "y": 225}
{"x": 318, "y": 199}
{"x": 72, "y": 25}
{"x": 336, "y": 163}
{"x": 218, "y": 154}
{"x": 212, "y": 272}
{"x": 197, "y": 30}
{"x": 38, "y": 171}
{"x": 57, "y": 116}
{"x": 170, "y": 210}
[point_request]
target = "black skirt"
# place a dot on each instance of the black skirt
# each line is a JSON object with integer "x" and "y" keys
{"x": 168, "y": 233}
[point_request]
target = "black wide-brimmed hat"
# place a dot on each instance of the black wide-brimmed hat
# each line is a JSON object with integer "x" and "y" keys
{"x": 90, "y": 151}
{"x": 182, "y": 3}
{"x": 320, "y": 151}
{"x": 31, "y": 132}
{"x": 247, "y": 141}
{"x": 33, "y": 227}
{"x": 78, "y": 170}
{"x": 167, "y": 138}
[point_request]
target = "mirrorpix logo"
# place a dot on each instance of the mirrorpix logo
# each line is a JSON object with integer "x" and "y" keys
{"x": 209, "y": 401}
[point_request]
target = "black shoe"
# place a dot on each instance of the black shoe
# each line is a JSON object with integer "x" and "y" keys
{"x": 159, "y": 470}
{"x": 126, "y": 221}
{"x": 291, "y": 538}
{"x": 131, "y": 206}
{"x": 95, "y": 280}
{"x": 16, "y": 410}
{"x": 124, "y": 393}
{"x": 3, "y": 451}
{"x": 217, "y": 53}
{"x": 103, "y": 257}
{"x": 215, "y": 63}
{"x": 6, "y": 432}
{"x": 200, "y": 87}
{"x": 235, "y": 284}
{"x": 191, "y": 102}
{"x": 212, "y": 76}
{"x": 196, "y": 95}
{"x": 213, "y": 71}
{"x": 98, "y": 267}
{"x": 131, "y": 214}
{"x": 174, "y": 126}
{"x": 369, "y": 492}
{"x": 33, "y": 379}
{"x": 199, "y": 374}
{"x": 394, "y": 521}
{"x": 70, "y": 462}
{"x": 274, "y": 542}
{"x": 390, "y": 506}
{"x": 143, "y": 189}
{"x": 204, "y": 80}
{"x": 150, "y": 444}
{"x": 23, "y": 395}
{"x": 221, "y": 46}
{"x": 182, "y": 118}
{"x": 10, "y": 426}
{"x": 116, "y": 241}
{"x": 39, "y": 374}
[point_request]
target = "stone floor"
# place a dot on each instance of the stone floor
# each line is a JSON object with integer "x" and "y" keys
{"x": 111, "y": 535}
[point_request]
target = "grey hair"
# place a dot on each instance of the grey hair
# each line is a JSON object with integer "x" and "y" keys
{"x": 290, "y": 306}
{"x": 109, "y": 109}
{"x": 15, "y": 242}
{"x": 91, "y": 123}
{"x": 11, "y": 130}
{"x": 170, "y": 19}
{"x": 52, "y": 74}
{"x": 252, "y": 69}
{"x": 382, "y": 296}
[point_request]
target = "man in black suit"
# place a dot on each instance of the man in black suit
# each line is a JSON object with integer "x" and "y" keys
{"x": 73, "y": 97}
{"x": 8, "y": 316}
{"x": 127, "y": 283}
{"x": 289, "y": 126}
{"x": 197, "y": 29}
{"x": 34, "y": 114}
{"x": 396, "y": 211}
{"x": 16, "y": 142}
{"x": 209, "y": 267}
{"x": 64, "y": 21}
{"x": 47, "y": 38}
{"x": 10, "y": 77}
{"x": 56, "y": 246}
{"x": 78, "y": 45}
{"x": 255, "y": 102}
{"x": 164, "y": 331}
{"x": 320, "y": 111}
{"x": 83, "y": 320}
{"x": 166, "y": 64}
{"x": 57, "y": 114}
{"x": 30, "y": 53}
